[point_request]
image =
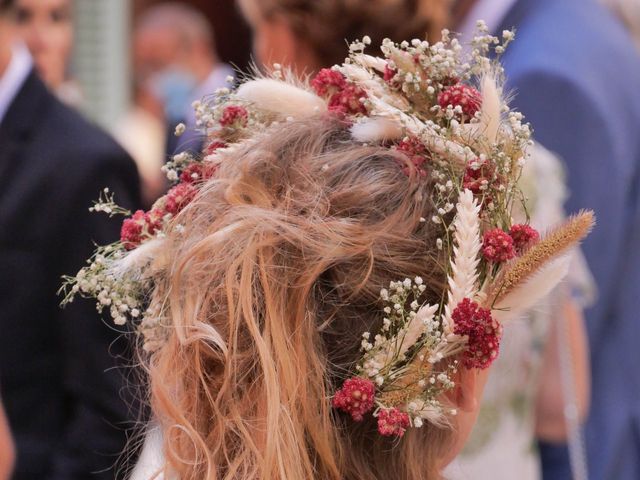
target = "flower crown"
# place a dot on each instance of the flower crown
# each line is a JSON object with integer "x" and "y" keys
{"x": 418, "y": 99}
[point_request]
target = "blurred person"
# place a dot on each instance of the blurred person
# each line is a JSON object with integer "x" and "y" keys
{"x": 62, "y": 375}
{"x": 628, "y": 11}
{"x": 309, "y": 35}
{"x": 46, "y": 27}
{"x": 143, "y": 134}
{"x": 7, "y": 448}
{"x": 543, "y": 356}
{"x": 175, "y": 58}
{"x": 561, "y": 70}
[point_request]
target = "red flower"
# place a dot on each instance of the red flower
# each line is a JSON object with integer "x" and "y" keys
{"x": 135, "y": 229}
{"x": 328, "y": 82}
{"x": 482, "y": 330}
{"x": 479, "y": 175}
{"x": 389, "y": 73}
{"x": 417, "y": 153}
{"x": 348, "y": 101}
{"x": 524, "y": 236}
{"x": 178, "y": 197}
{"x": 234, "y": 116}
{"x": 392, "y": 422}
{"x": 355, "y": 397}
{"x": 497, "y": 246}
{"x": 468, "y": 98}
{"x": 344, "y": 97}
{"x": 213, "y": 146}
{"x": 198, "y": 172}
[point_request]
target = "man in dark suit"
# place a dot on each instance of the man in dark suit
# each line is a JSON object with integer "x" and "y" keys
{"x": 575, "y": 75}
{"x": 65, "y": 396}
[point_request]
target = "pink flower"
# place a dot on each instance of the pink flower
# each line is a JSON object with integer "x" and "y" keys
{"x": 392, "y": 422}
{"x": 355, "y": 397}
{"x": 480, "y": 174}
{"x": 213, "y": 146}
{"x": 389, "y": 74}
{"x": 234, "y": 116}
{"x": 198, "y": 172}
{"x": 348, "y": 101}
{"x": 482, "y": 330}
{"x": 134, "y": 230}
{"x": 344, "y": 98}
{"x": 328, "y": 82}
{"x": 468, "y": 98}
{"x": 417, "y": 153}
{"x": 524, "y": 237}
{"x": 497, "y": 246}
{"x": 178, "y": 197}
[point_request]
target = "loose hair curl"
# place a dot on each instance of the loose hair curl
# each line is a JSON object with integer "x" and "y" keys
{"x": 271, "y": 278}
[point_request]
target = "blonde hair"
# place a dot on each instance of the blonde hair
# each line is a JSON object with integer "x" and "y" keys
{"x": 272, "y": 277}
{"x": 326, "y": 25}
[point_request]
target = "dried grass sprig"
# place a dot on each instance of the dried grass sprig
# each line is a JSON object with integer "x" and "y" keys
{"x": 554, "y": 244}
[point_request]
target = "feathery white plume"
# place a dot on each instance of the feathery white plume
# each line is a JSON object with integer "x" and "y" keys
{"x": 281, "y": 97}
{"x": 356, "y": 73}
{"x": 533, "y": 290}
{"x": 395, "y": 347}
{"x": 464, "y": 261}
{"x": 415, "y": 328}
{"x": 433, "y": 414}
{"x": 376, "y": 130}
{"x": 376, "y": 63}
{"x": 135, "y": 260}
{"x": 490, "y": 109}
{"x": 455, "y": 152}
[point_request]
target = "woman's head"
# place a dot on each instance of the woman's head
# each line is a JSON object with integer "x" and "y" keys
{"x": 275, "y": 273}
{"x": 275, "y": 351}
{"x": 312, "y": 34}
{"x": 46, "y": 28}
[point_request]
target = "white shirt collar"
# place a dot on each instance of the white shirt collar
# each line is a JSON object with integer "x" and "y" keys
{"x": 14, "y": 76}
{"x": 492, "y": 12}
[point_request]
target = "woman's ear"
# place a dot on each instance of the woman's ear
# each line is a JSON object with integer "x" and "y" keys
{"x": 466, "y": 393}
{"x": 465, "y": 397}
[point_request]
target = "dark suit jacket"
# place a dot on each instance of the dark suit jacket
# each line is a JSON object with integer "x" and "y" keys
{"x": 576, "y": 74}
{"x": 67, "y": 405}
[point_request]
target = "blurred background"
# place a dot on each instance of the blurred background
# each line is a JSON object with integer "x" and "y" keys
{"x": 102, "y": 55}
{"x": 134, "y": 67}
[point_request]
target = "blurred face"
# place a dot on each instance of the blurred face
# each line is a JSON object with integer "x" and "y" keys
{"x": 272, "y": 42}
{"x": 46, "y": 28}
{"x": 155, "y": 50}
{"x": 6, "y": 39}
{"x": 275, "y": 42}
{"x": 163, "y": 70}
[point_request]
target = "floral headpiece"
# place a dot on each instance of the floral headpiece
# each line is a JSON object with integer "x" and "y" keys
{"x": 446, "y": 113}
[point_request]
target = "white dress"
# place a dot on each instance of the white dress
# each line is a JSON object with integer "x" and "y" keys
{"x": 151, "y": 461}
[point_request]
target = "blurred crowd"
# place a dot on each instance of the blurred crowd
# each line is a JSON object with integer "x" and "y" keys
{"x": 67, "y": 381}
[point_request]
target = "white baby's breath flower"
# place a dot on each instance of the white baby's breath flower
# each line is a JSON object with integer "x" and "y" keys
{"x": 180, "y": 129}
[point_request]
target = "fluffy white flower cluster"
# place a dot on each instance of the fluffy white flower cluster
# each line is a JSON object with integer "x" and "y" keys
{"x": 120, "y": 295}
